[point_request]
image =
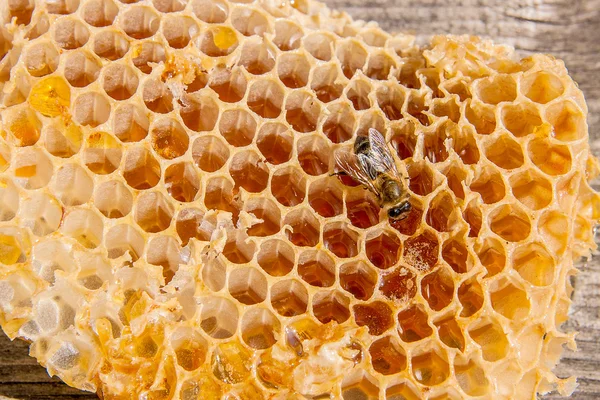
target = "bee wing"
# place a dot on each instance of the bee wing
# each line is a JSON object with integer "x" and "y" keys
{"x": 350, "y": 164}
{"x": 383, "y": 161}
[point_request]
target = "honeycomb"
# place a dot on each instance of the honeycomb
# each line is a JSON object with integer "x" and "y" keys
{"x": 170, "y": 226}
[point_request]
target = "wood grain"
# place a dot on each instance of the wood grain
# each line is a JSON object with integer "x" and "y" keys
{"x": 568, "y": 29}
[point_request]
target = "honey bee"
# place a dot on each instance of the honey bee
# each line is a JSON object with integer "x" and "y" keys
{"x": 373, "y": 165}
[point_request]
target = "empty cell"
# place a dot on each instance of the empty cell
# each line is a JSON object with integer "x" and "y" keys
{"x": 304, "y": 229}
{"x": 384, "y": 250}
{"x": 41, "y": 213}
{"x": 219, "y": 195}
{"x": 450, "y": 333}
{"x": 492, "y": 255}
{"x": 567, "y": 120}
{"x": 218, "y": 317}
{"x": 455, "y": 253}
{"x": 124, "y": 239}
{"x": 130, "y": 123}
{"x": 210, "y": 153}
{"x": 110, "y": 44}
{"x": 211, "y": 11}
{"x": 41, "y": 59}
{"x": 91, "y": 109}
{"x": 199, "y": 113}
{"x": 214, "y": 274}
{"x": 314, "y": 155}
{"x": 531, "y": 189}
{"x": 438, "y": 289}
{"x": 379, "y": 66}
{"x": 238, "y": 127}
{"x": 248, "y": 171}
{"x": 505, "y": 153}
{"x": 316, "y": 268}
{"x": 489, "y": 184}
{"x": 169, "y": 138}
{"x": 534, "y": 263}
{"x": 319, "y": 45}
{"x": 472, "y": 216}
{"x": 192, "y": 223}
{"x": 434, "y": 143}
{"x": 62, "y": 141}
{"x": 352, "y": 57}
{"x": 229, "y": 83}
{"x": 257, "y": 56}
{"x": 153, "y": 212}
{"x": 9, "y": 199}
{"x": 360, "y": 385}
{"x": 371, "y": 119}
{"x": 421, "y": 178}
{"x": 32, "y": 168}
{"x": 113, "y": 199}
{"x": 288, "y": 185}
{"x": 73, "y": 185}
{"x": 511, "y": 302}
{"x": 416, "y": 107}
{"x": 146, "y": 53}
{"x": 182, "y": 182}
{"x": 465, "y": 145}
{"x": 552, "y": 226}
{"x": 470, "y": 296}
{"x": 265, "y": 98}
{"x": 266, "y": 210}
{"x": 24, "y": 125}
{"x": 325, "y": 197}
{"x": 260, "y": 328}
{"x": 190, "y": 348}
{"x": 83, "y": 225}
{"x": 293, "y": 70}
{"x": 421, "y": 251}
{"x": 81, "y": 68}
{"x": 275, "y": 142}
{"x": 358, "y": 93}
{"x": 164, "y": 251}
{"x": 340, "y": 122}
{"x": 276, "y": 257}
{"x": 139, "y": 22}
{"x": 430, "y": 368}
{"x": 302, "y": 111}
{"x": 387, "y": 356}
{"x": 376, "y": 316}
{"x": 102, "y": 153}
{"x": 70, "y": 34}
{"x": 362, "y": 208}
{"x": 179, "y": 30}
{"x": 404, "y": 139}
{"x": 140, "y": 169}
{"x": 551, "y": 159}
{"x": 331, "y": 306}
{"x": 158, "y": 97}
{"x": 100, "y": 13}
{"x": 289, "y": 298}
{"x": 413, "y": 325}
{"x": 510, "y": 223}
{"x": 358, "y": 279}
{"x": 247, "y": 285}
{"x": 471, "y": 377}
{"x": 542, "y": 87}
{"x": 455, "y": 176}
{"x": 430, "y": 79}
{"x": 20, "y": 10}
{"x": 492, "y": 340}
{"x": 521, "y": 119}
{"x": 239, "y": 249}
{"x": 482, "y": 117}
{"x": 399, "y": 285}
{"x": 120, "y": 81}
{"x": 249, "y": 22}
{"x": 288, "y": 35}
{"x": 340, "y": 239}
{"x": 446, "y": 108}
{"x": 390, "y": 98}
{"x": 496, "y": 89}
{"x": 441, "y": 215}
{"x": 218, "y": 41}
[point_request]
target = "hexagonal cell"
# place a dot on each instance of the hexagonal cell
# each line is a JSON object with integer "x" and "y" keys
{"x": 237, "y": 127}
{"x": 50, "y": 97}
{"x": 130, "y": 123}
{"x": 113, "y": 199}
{"x": 430, "y": 368}
{"x": 214, "y": 274}
{"x": 211, "y": 11}
{"x": 358, "y": 94}
{"x": 470, "y": 295}
{"x": 41, "y": 213}
{"x": 401, "y": 391}
{"x": 24, "y": 126}
{"x": 289, "y": 298}
{"x": 314, "y": 154}
{"x": 81, "y": 68}
{"x": 319, "y": 45}
{"x": 164, "y": 251}
{"x": 288, "y": 185}
{"x": 247, "y": 285}
{"x": 62, "y": 141}
{"x": 41, "y": 59}
{"x": 455, "y": 176}
{"x": 352, "y": 57}
{"x": 316, "y": 268}
{"x": 472, "y": 216}
{"x": 248, "y": 171}
{"x": 339, "y": 124}
{"x": 384, "y": 250}
{"x": 124, "y": 238}
{"x": 303, "y": 228}
{"x": 110, "y": 44}
{"x": 32, "y": 168}
{"x": 91, "y": 109}
{"x": 239, "y": 249}
{"x": 275, "y": 142}
{"x": 302, "y": 111}
{"x": 331, "y": 306}
{"x": 293, "y": 70}
{"x": 400, "y": 285}
{"x": 325, "y": 197}
{"x": 550, "y": 158}
{"x": 323, "y": 82}
{"x": 266, "y": 210}
{"x": 210, "y": 153}
{"x": 434, "y": 143}
{"x": 9, "y": 199}
{"x": 362, "y": 208}
{"x": 441, "y": 215}
{"x": 416, "y": 107}
{"x": 70, "y": 34}
{"x": 465, "y": 145}
{"x": 140, "y": 22}
{"x": 257, "y": 56}
{"x": 340, "y": 239}
{"x": 100, "y": 13}
{"x": 218, "y": 317}
{"x": 21, "y": 10}
{"x": 140, "y": 169}
{"x": 521, "y": 119}
{"x": 266, "y": 98}
{"x": 358, "y": 279}
{"x": 288, "y": 35}
{"x": 471, "y": 377}
{"x": 534, "y": 264}
{"x": 387, "y": 356}
{"x": 85, "y": 226}
{"x": 63, "y": 7}
{"x": 192, "y": 223}
{"x": 492, "y": 255}
{"x": 421, "y": 252}
{"x": 510, "y": 223}
{"x": 147, "y": 53}
{"x": 413, "y": 325}
{"x": 190, "y": 348}
{"x": 496, "y": 89}
{"x": 450, "y": 333}
{"x": 542, "y": 86}
{"x": 482, "y": 117}
{"x": 360, "y": 385}
{"x": 390, "y": 98}
{"x": 169, "y": 138}
{"x": 73, "y": 185}
{"x": 377, "y": 316}
{"x": 371, "y": 119}
{"x": 229, "y": 83}
{"x": 219, "y": 195}
{"x": 218, "y": 41}
{"x": 568, "y": 121}
{"x": 407, "y": 74}
{"x": 276, "y": 257}
{"x": 260, "y": 328}
{"x": 510, "y": 301}
{"x": 489, "y": 184}
{"x": 421, "y": 178}
{"x": 455, "y": 253}
{"x": 438, "y": 289}
{"x": 409, "y": 225}
{"x": 249, "y": 22}
{"x": 552, "y": 226}
{"x": 158, "y": 97}
{"x": 182, "y": 182}
{"x": 153, "y": 212}
{"x": 102, "y": 153}
{"x": 531, "y": 189}
{"x": 120, "y": 81}
{"x": 492, "y": 339}
{"x": 446, "y": 108}
{"x": 380, "y": 65}
{"x": 178, "y": 30}
{"x": 505, "y": 153}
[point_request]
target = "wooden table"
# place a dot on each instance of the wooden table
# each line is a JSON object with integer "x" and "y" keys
{"x": 569, "y": 29}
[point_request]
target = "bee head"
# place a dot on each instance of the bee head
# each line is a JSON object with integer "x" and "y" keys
{"x": 400, "y": 211}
